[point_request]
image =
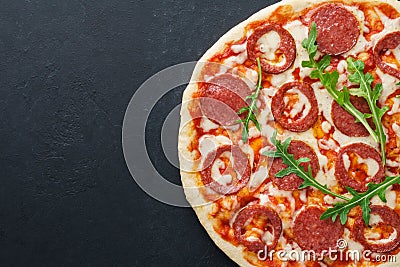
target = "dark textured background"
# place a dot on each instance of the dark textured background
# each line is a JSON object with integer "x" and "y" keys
{"x": 67, "y": 72}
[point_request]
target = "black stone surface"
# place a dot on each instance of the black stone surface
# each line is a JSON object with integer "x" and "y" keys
{"x": 67, "y": 72}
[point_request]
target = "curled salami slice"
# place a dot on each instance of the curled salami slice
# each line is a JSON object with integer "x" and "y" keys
{"x": 368, "y": 169}
{"x": 254, "y": 216}
{"x": 292, "y": 182}
{"x": 346, "y": 123}
{"x": 222, "y": 97}
{"x": 387, "y": 218}
{"x": 295, "y": 121}
{"x": 338, "y": 29}
{"x": 390, "y": 41}
{"x": 236, "y": 170}
{"x": 312, "y": 233}
{"x": 286, "y": 52}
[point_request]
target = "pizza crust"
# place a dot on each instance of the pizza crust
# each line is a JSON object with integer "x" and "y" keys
{"x": 186, "y": 133}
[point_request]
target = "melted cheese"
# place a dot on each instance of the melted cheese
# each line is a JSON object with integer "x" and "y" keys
{"x": 239, "y": 48}
{"x": 390, "y": 25}
{"x": 264, "y": 199}
{"x": 249, "y": 151}
{"x": 375, "y": 219}
{"x": 327, "y": 178}
{"x": 351, "y": 244}
{"x": 396, "y": 53}
{"x": 396, "y": 129}
{"x": 326, "y": 126}
{"x": 361, "y": 46}
{"x": 303, "y": 196}
{"x": 230, "y": 203}
{"x": 327, "y": 144}
{"x": 208, "y": 125}
{"x": 269, "y": 43}
{"x": 392, "y": 163}
{"x": 299, "y": 32}
{"x": 219, "y": 164}
{"x": 342, "y": 66}
{"x": 257, "y": 178}
{"x": 252, "y": 75}
{"x": 373, "y": 166}
{"x": 396, "y": 106}
{"x": 285, "y": 77}
{"x": 236, "y": 60}
{"x": 268, "y": 238}
{"x": 391, "y": 198}
{"x": 374, "y": 237}
{"x": 302, "y": 105}
{"x": 388, "y": 83}
{"x": 331, "y": 200}
{"x": 208, "y": 143}
{"x": 359, "y": 14}
{"x": 285, "y": 214}
{"x": 345, "y": 140}
{"x": 323, "y": 161}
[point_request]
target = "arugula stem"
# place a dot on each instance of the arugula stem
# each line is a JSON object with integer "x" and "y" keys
{"x": 360, "y": 199}
{"x": 295, "y": 167}
{"x": 252, "y": 109}
{"x": 300, "y": 172}
{"x": 375, "y": 191}
{"x": 346, "y": 105}
{"x": 329, "y": 80}
{"x": 372, "y": 105}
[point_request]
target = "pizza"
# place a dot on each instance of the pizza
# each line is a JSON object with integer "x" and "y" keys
{"x": 289, "y": 142}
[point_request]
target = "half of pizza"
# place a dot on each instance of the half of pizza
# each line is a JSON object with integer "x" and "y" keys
{"x": 289, "y": 142}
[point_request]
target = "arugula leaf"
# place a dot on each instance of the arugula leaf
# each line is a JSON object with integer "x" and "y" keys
{"x": 360, "y": 199}
{"x": 330, "y": 79}
{"x": 294, "y": 167}
{"x": 251, "y": 110}
{"x": 356, "y": 69}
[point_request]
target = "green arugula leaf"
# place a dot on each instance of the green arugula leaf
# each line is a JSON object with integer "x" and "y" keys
{"x": 356, "y": 69}
{"x": 360, "y": 199}
{"x": 294, "y": 167}
{"x": 330, "y": 79}
{"x": 251, "y": 110}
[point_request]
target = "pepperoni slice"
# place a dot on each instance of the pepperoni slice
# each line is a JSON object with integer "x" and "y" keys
{"x": 338, "y": 29}
{"x": 312, "y": 233}
{"x": 390, "y": 41}
{"x": 222, "y": 97}
{"x": 361, "y": 177}
{"x": 286, "y": 49}
{"x": 345, "y": 122}
{"x": 296, "y": 124}
{"x": 388, "y": 218}
{"x": 292, "y": 182}
{"x": 271, "y": 224}
{"x": 237, "y": 169}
